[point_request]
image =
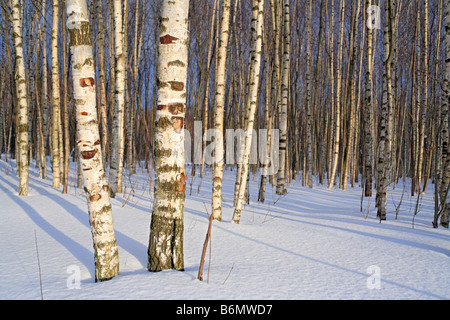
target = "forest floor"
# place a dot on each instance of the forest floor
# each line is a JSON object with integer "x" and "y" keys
{"x": 309, "y": 244}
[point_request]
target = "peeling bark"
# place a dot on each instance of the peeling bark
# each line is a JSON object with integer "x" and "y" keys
{"x": 97, "y": 192}
{"x": 165, "y": 249}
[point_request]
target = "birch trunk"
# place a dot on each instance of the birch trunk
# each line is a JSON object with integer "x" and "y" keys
{"x": 446, "y": 103}
{"x": 281, "y": 177}
{"x": 56, "y": 99}
{"x": 272, "y": 94}
{"x": 2, "y": 105}
{"x": 384, "y": 164}
{"x": 65, "y": 107}
{"x": 332, "y": 98}
{"x": 130, "y": 152}
{"x": 206, "y": 92}
{"x": 246, "y": 107}
{"x": 368, "y": 106}
{"x": 117, "y": 147}
{"x": 90, "y": 154}
{"x": 422, "y": 103}
{"x": 350, "y": 101}
{"x": 257, "y": 5}
{"x": 337, "y": 119}
{"x": 165, "y": 249}
{"x": 424, "y": 108}
{"x": 22, "y": 103}
{"x": 101, "y": 79}
{"x": 219, "y": 108}
{"x": 44, "y": 83}
{"x": 308, "y": 91}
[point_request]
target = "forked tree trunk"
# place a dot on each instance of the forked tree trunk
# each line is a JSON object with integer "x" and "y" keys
{"x": 219, "y": 108}
{"x": 90, "y": 153}
{"x": 165, "y": 249}
{"x": 22, "y": 103}
{"x": 258, "y": 5}
{"x": 272, "y": 95}
{"x": 209, "y": 58}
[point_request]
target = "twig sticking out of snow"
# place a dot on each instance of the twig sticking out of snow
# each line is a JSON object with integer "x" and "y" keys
{"x": 205, "y": 245}
{"x": 39, "y": 265}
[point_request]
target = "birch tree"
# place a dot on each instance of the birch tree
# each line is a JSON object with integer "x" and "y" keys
{"x": 272, "y": 95}
{"x": 56, "y": 99}
{"x": 257, "y": 5}
{"x": 22, "y": 102}
{"x": 90, "y": 154}
{"x": 101, "y": 78}
{"x": 337, "y": 117}
{"x": 44, "y": 82}
{"x": 383, "y": 165}
{"x": 219, "y": 108}
{"x": 65, "y": 109}
{"x": 281, "y": 176}
{"x": 445, "y": 194}
{"x": 165, "y": 250}
{"x": 368, "y": 138}
{"x": 308, "y": 89}
{"x": 117, "y": 147}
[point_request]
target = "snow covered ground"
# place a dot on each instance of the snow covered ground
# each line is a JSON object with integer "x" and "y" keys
{"x": 308, "y": 244}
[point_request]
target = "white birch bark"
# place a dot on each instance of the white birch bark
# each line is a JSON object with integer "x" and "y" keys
{"x": 253, "y": 98}
{"x": 308, "y": 91}
{"x": 271, "y": 94}
{"x": 88, "y": 143}
{"x": 101, "y": 78}
{"x": 44, "y": 81}
{"x": 40, "y": 135}
{"x": 219, "y": 108}
{"x": 131, "y": 161}
{"x": 368, "y": 137}
{"x": 337, "y": 119}
{"x": 246, "y": 106}
{"x": 165, "y": 249}
{"x": 424, "y": 108}
{"x": 21, "y": 91}
{"x": 281, "y": 176}
{"x": 117, "y": 147}
{"x": 332, "y": 95}
{"x": 2, "y": 105}
{"x": 383, "y": 165}
{"x": 65, "y": 110}
{"x": 56, "y": 99}
{"x": 206, "y": 84}
{"x": 446, "y": 104}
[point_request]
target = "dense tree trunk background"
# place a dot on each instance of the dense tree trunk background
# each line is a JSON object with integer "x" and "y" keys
{"x": 341, "y": 90}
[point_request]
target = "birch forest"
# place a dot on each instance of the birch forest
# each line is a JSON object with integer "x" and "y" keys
{"x": 338, "y": 93}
